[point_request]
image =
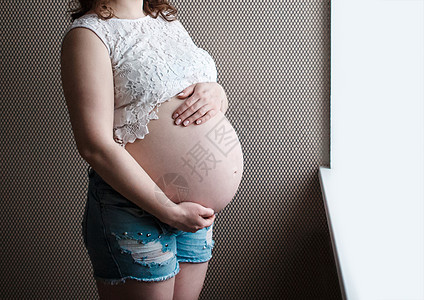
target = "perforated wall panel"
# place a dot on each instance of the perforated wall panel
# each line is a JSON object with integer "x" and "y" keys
{"x": 272, "y": 241}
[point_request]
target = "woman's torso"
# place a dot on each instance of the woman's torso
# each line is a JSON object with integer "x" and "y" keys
{"x": 153, "y": 60}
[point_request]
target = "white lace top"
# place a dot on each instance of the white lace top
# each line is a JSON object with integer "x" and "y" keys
{"x": 152, "y": 61}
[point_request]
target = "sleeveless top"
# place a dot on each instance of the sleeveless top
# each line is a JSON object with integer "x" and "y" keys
{"x": 152, "y": 60}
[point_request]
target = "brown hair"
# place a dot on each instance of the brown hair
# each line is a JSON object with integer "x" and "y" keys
{"x": 153, "y": 8}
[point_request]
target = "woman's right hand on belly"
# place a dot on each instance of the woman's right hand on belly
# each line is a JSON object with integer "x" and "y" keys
{"x": 189, "y": 216}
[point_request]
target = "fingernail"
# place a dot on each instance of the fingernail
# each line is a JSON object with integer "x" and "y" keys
{"x": 175, "y": 115}
{"x": 178, "y": 121}
{"x": 198, "y": 121}
{"x": 185, "y": 122}
{"x": 180, "y": 94}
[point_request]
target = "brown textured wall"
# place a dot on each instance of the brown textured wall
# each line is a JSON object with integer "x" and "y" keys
{"x": 272, "y": 241}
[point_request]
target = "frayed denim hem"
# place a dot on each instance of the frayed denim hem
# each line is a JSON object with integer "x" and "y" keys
{"x": 122, "y": 280}
{"x": 191, "y": 260}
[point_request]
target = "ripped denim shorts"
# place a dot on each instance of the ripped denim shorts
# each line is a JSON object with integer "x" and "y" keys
{"x": 124, "y": 241}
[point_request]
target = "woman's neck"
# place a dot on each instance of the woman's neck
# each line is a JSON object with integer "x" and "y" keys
{"x": 127, "y": 9}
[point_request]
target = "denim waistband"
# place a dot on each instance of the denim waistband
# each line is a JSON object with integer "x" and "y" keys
{"x": 90, "y": 172}
{"x": 93, "y": 176}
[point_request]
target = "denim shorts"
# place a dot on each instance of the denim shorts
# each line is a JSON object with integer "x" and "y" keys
{"x": 124, "y": 241}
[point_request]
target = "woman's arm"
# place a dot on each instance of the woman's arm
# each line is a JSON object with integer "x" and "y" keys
{"x": 87, "y": 81}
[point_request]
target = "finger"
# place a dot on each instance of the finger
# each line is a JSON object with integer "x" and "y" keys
{"x": 188, "y": 108}
{"x": 183, "y": 107}
{"x": 211, "y": 113}
{"x": 187, "y": 91}
{"x": 206, "y": 211}
{"x": 208, "y": 222}
{"x": 205, "y": 118}
{"x": 212, "y": 218}
{"x": 198, "y": 114}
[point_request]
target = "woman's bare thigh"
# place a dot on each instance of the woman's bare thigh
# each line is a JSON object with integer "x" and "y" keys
{"x": 189, "y": 281}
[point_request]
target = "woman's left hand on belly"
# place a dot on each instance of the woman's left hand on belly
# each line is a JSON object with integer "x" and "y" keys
{"x": 202, "y": 101}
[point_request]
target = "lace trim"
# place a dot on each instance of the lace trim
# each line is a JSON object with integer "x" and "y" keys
{"x": 128, "y": 133}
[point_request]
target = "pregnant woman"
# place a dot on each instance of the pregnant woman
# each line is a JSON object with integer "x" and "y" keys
{"x": 155, "y": 182}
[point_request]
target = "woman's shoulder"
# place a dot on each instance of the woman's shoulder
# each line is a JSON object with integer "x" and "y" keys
{"x": 91, "y": 21}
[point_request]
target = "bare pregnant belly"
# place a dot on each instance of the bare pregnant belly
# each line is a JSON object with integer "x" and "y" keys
{"x": 199, "y": 163}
